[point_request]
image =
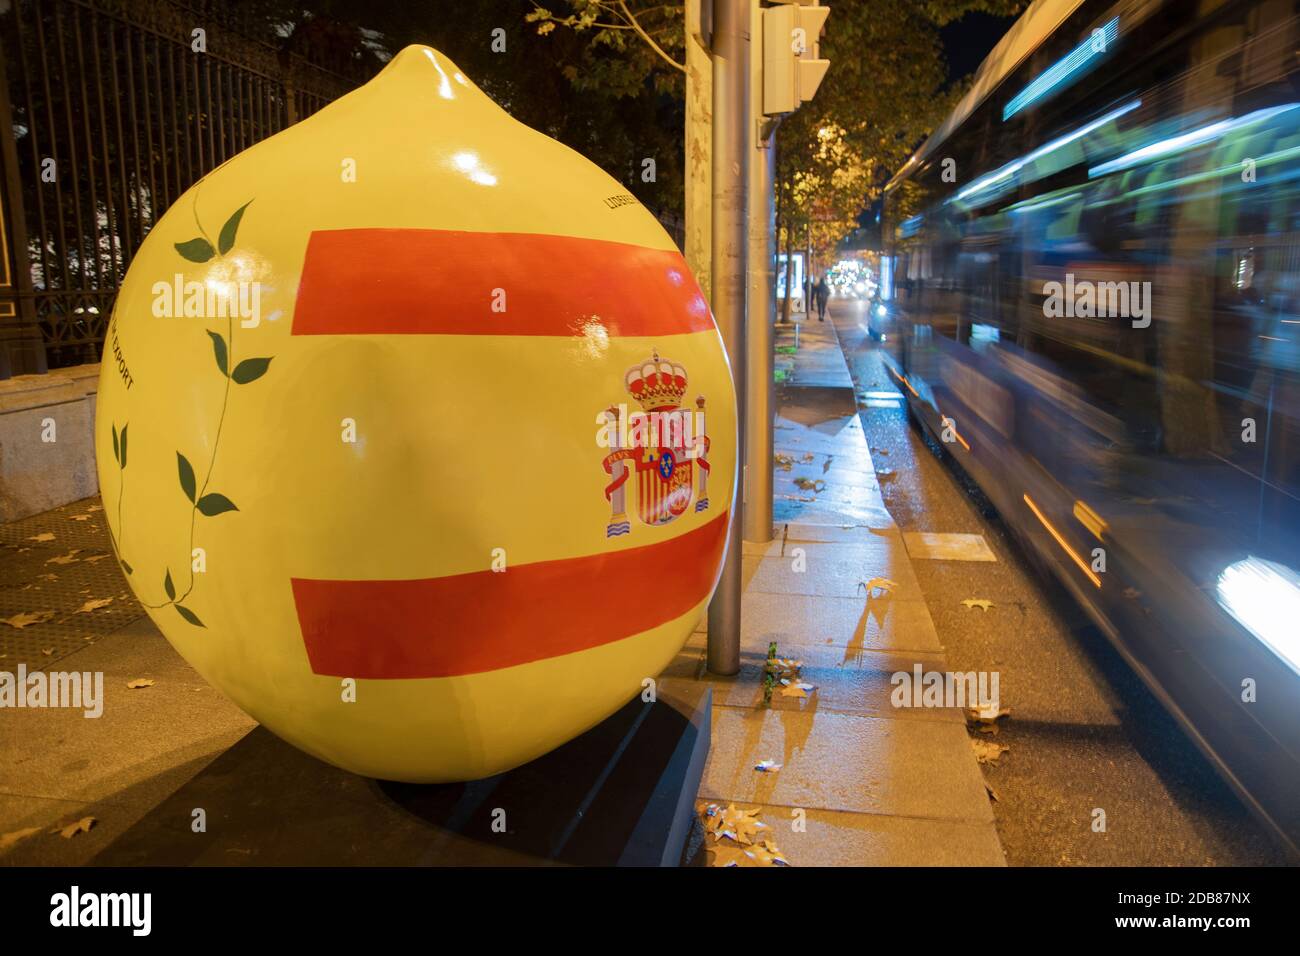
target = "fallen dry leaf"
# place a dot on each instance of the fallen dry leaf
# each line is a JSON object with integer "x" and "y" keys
{"x": 9, "y": 840}
{"x": 27, "y": 618}
{"x": 47, "y": 651}
{"x": 85, "y": 517}
{"x": 736, "y": 824}
{"x": 69, "y": 558}
{"x": 884, "y": 584}
{"x": 43, "y": 536}
{"x": 765, "y": 853}
{"x": 982, "y": 603}
{"x": 97, "y": 557}
{"x": 986, "y": 718}
{"x": 83, "y": 825}
{"x": 988, "y": 751}
{"x": 726, "y": 854}
{"x": 139, "y": 682}
{"x": 795, "y": 688}
{"x": 808, "y": 457}
{"x": 783, "y": 461}
{"x": 735, "y": 838}
{"x": 93, "y": 605}
{"x": 807, "y": 484}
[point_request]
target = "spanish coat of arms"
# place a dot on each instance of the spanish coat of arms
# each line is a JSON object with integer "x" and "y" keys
{"x": 661, "y": 445}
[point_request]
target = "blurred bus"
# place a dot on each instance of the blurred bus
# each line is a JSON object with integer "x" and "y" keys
{"x": 1091, "y": 294}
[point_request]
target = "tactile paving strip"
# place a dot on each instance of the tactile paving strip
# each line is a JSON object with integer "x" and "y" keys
{"x": 54, "y": 577}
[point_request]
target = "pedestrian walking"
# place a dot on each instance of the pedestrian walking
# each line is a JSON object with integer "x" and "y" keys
{"x": 821, "y": 292}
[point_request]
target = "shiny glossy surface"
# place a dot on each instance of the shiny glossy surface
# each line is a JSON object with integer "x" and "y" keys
{"x": 397, "y": 494}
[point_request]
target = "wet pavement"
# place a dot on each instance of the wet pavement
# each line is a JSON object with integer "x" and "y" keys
{"x": 861, "y": 781}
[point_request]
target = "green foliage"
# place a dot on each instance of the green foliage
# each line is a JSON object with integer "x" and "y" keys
{"x": 226, "y": 241}
{"x": 189, "y": 615}
{"x": 218, "y": 350}
{"x": 196, "y": 250}
{"x": 186, "y": 472}
{"x": 887, "y": 88}
{"x": 250, "y": 370}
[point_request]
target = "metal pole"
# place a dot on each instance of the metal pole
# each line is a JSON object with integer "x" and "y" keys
{"x": 760, "y": 335}
{"x": 731, "y": 126}
{"x": 808, "y": 272}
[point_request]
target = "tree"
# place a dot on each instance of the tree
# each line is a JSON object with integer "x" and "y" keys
{"x": 887, "y": 88}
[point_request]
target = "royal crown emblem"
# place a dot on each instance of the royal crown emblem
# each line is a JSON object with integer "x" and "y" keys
{"x": 661, "y": 444}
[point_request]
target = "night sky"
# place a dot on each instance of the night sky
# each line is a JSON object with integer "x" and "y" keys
{"x": 966, "y": 42}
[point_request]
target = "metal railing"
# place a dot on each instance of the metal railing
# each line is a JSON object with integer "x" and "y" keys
{"x": 110, "y": 112}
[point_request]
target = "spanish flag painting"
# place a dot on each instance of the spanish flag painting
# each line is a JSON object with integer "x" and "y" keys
{"x": 417, "y": 438}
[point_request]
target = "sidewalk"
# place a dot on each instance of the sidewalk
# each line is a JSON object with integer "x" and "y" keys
{"x": 879, "y": 785}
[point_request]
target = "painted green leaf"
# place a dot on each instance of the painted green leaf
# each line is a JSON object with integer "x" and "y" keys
{"x": 187, "y": 476}
{"x": 226, "y": 241}
{"x": 189, "y": 615}
{"x": 168, "y": 586}
{"x": 196, "y": 250}
{"x": 117, "y": 455}
{"x": 122, "y": 445}
{"x": 219, "y": 350}
{"x": 250, "y": 370}
{"x": 215, "y": 504}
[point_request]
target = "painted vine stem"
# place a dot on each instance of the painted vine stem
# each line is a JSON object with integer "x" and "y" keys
{"x": 203, "y": 502}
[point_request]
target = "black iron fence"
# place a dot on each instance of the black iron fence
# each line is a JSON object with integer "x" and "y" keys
{"x": 110, "y": 110}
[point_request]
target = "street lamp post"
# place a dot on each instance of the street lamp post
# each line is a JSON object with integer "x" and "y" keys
{"x": 760, "y": 333}
{"x": 731, "y": 137}
{"x": 765, "y": 63}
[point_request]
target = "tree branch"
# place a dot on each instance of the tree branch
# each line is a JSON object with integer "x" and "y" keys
{"x": 680, "y": 67}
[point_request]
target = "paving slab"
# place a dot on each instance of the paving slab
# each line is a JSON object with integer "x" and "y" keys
{"x": 832, "y": 838}
{"x": 912, "y": 768}
{"x": 845, "y": 680}
{"x": 883, "y": 625}
{"x": 838, "y": 570}
{"x": 146, "y": 743}
{"x": 932, "y": 546}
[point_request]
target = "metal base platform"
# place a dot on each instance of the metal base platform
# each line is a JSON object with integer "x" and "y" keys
{"x": 621, "y": 794}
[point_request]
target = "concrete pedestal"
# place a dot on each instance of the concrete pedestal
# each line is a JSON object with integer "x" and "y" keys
{"x": 47, "y": 453}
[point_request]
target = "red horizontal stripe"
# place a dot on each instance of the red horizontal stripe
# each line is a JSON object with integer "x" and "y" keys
{"x": 442, "y": 282}
{"x": 484, "y": 620}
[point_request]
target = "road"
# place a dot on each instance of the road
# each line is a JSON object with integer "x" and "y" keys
{"x": 1084, "y": 732}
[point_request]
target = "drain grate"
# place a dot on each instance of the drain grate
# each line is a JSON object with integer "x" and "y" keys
{"x": 54, "y": 578}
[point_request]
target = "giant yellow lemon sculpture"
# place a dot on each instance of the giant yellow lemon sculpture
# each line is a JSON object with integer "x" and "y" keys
{"x": 415, "y": 434}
